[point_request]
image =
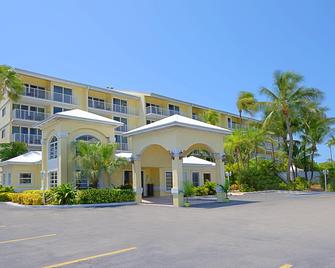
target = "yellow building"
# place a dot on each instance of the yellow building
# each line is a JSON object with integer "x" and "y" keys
{"x": 156, "y": 134}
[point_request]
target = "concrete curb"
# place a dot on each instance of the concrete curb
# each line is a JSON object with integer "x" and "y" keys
{"x": 102, "y": 205}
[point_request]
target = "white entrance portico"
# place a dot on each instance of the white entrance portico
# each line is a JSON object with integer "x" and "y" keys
{"x": 178, "y": 136}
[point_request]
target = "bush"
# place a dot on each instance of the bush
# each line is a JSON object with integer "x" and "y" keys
{"x": 6, "y": 189}
{"x": 124, "y": 187}
{"x": 211, "y": 186}
{"x": 200, "y": 190}
{"x": 300, "y": 184}
{"x": 65, "y": 194}
{"x": 96, "y": 196}
{"x": 258, "y": 178}
{"x": 234, "y": 187}
{"x": 25, "y": 198}
{"x": 4, "y": 197}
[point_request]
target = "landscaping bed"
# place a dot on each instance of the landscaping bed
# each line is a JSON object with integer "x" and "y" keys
{"x": 67, "y": 195}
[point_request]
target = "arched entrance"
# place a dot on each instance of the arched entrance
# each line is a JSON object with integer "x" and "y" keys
{"x": 174, "y": 137}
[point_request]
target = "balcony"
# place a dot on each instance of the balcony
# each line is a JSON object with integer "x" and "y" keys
{"x": 123, "y": 128}
{"x": 122, "y": 146}
{"x": 107, "y": 106}
{"x": 48, "y": 95}
{"x": 27, "y": 138}
{"x": 29, "y": 115}
{"x": 160, "y": 112}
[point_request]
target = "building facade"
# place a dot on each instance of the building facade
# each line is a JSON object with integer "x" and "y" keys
{"x": 155, "y": 133}
{"x": 44, "y": 96}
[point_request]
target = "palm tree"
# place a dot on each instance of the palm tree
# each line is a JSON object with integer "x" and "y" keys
{"x": 212, "y": 117}
{"x": 247, "y": 103}
{"x": 96, "y": 159}
{"x": 316, "y": 127}
{"x": 330, "y": 143}
{"x": 10, "y": 83}
{"x": 288, "y": 98}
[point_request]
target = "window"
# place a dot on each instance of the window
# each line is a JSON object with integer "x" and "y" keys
{"x": 128, "y": 177}
{"x": 195, "y": 178}
{"x": 207, "y": 177}
{"x": 153, "y": 108}
{"x": 120, "y": 106}
{"x": 3, "y": 133}
{"x": 62, "y": 94}
{"x": 122, "y": 142}
{"x": 96, "y": 103}
{"x": 122, "y": 120}
{"x": 168, "y": 181}
{"x": 3, "y": 112}
{"x": 173, "y": 109}
{"x": 35, "y": 91}
{"x": 53, "y": 179}
{"x": 53, "y": 148}
{"x": 25, "y": 178}
{"x": 4, "y": 179}
{"x": 87, "y": 138}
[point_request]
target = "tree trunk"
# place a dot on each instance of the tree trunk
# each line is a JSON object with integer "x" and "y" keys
{"x": 240, "y": 112}
{"x": 312, "y": 165}
{"x": 290, "y": 148}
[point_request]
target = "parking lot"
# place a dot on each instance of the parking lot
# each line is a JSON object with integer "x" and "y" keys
{"x": 254, "y": 230}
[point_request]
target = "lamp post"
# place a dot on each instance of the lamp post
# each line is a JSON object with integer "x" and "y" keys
{"x": 228, "y": 174}
{"x": 325, "y": 173}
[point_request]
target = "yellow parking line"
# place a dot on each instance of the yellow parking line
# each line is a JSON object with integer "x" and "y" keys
{"x": 286, "y": 266}
{"x": 91, "y": 257}
{"x": 26, "y": 238}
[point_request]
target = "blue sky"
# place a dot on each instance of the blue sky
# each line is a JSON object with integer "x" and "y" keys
{"x": 200, "y": 51}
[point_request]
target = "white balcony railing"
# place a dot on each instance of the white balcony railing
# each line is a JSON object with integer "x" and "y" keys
{"x": 27, "y": 138}
{"x": 48, "y": 95}
{"x": 29, "y": 115}
{"x": 161, "y": 111}
{"x": 123, "y": 109}
{"x": 122, "y": 146}
{"x": 123, "y": 128}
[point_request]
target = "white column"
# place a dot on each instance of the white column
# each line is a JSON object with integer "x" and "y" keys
{"x": 177, "y": 180}
{"x": 220, "y": 176}
{"x": 136, "y": 170}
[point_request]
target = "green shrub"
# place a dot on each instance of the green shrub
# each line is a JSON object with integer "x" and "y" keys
{"x": 258, "y": 178}
{"x": 188, "y": 189}
{"x": 6, "y": 189}
{"x": 211, "y": 186}
{"x": 65, "y": 194}
{"x": 300, "y": 184}
{"x": 124, "y": 187}
{"x": 283, "y": 186}
{"x": 96, "y": 196}
{"x": 4, "y": 197}
{"x": 200, "y": 190}
{"x": 25, "y": 198}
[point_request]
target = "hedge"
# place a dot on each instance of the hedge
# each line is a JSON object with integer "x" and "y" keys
{"x": 90, "y": 196}
{"x": 96, "y": 196}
